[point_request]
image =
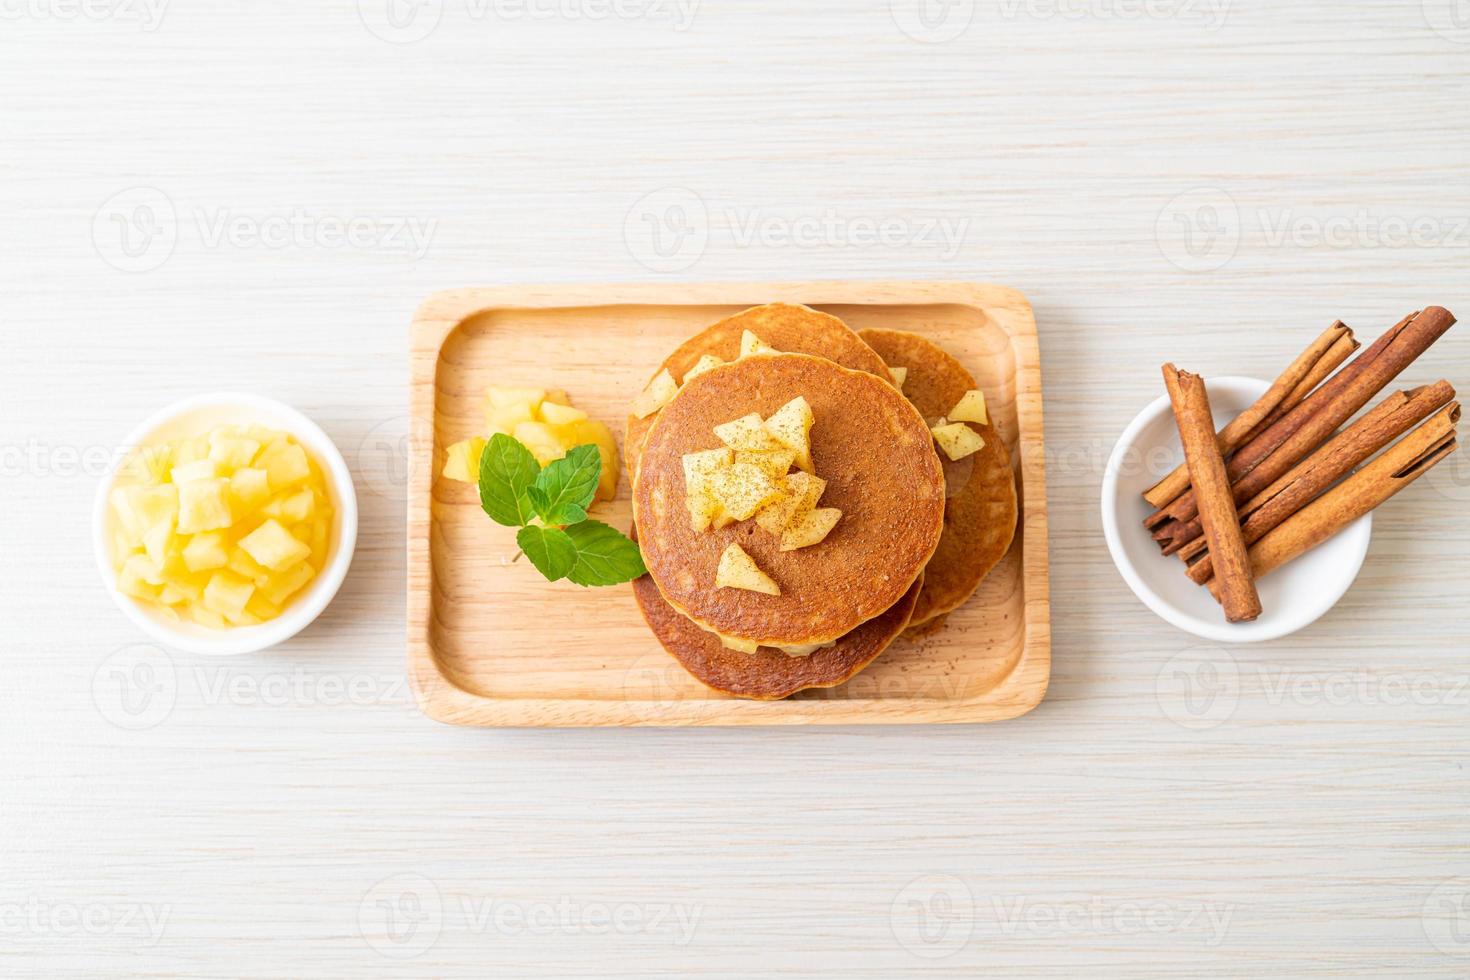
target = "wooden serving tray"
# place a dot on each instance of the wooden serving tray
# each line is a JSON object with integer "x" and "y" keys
{"x": 492, "y": 643}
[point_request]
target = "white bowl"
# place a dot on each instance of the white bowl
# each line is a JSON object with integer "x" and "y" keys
{"x": 1292, "y": 596}
{"x": 194, "y": 416}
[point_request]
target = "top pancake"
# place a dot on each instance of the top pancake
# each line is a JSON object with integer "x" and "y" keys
{"x": 875, "y": 453}
{"x": 980, "y": 512}
{"x": 796, "y": 329}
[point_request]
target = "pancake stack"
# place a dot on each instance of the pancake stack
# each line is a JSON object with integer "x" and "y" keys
{"x": 917, "y": 532}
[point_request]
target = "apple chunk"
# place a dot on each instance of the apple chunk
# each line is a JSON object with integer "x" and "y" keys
{"x": 737, "y": 570}
{"x": 971, "y": 408}
{"x": 746, "y": 432}
{"x": 900, "y": 375}
{"x": 706, "y": 362}
{"x": 699, "y": 496}
{"x": 810, "y": 528}
{"x": 803, "y": 491}
{"x": 750, "y": 345}
{"x": 958, "y": 440}
{"x": 791, "y": 426}
{"x": 773, "y": 462}
{"x": 660, "y": 391}
{"x": 742, "y": 489}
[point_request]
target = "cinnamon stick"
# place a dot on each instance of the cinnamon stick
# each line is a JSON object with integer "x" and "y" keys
{"x": 1291, "y": 383}
{"x": 1345, "y": 347}
{"x": 1395, "y": 415}
{"x": 1288, "y": 440}
{"x": 1207, "y": 473}
{"x": 1407, "y": 460}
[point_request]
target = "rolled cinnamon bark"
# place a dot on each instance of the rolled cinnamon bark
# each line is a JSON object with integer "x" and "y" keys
{"x": 1391, "y": 418}
{"x": 1345, "y": 347}
{"x": 1337, "y": 340}
{"x": 1403, "y": 463}
{"x": 1268, "y": 456}
{"x": 1207, "y": 473}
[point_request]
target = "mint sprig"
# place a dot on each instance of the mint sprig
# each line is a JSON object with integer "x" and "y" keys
{"x": 517, "y": 492}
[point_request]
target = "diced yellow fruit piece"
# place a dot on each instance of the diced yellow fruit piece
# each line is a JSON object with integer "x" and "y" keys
{"x": 281, "y": 587}
{"x": 171, "y": 596}
{"x": 140, "y": 578}
{"x": 208, "y": 617}
{"x": 810, "y": 528}
{"x": 958, "y": 440}
{"x": 246, "y": 567}
{"x": 561, "y": 414}
{"x": 723, "y": 520}
{"x": 230, "y": 450}
{"x": 531, "y": 397}
{"x": 206, "y": 551}
{"x": 191, "y": 450}
{"x": 704, "y": 510}
{"x": 249, "y": 489}
{"x": 773, "y": 462}
{"x": 699, "y": 497}
{"x": 285, "y": 463}
{"x": 291, "y": 507}
{"x": 190, "y": 586}
{"x": 321, "y": 538}
{"x": 746, "y": 432}
{"x": 149, "y": 464}
{"x": 227, "y": 593}
{"x": 790, "y": 426}
{"x": 160, "y": 541}
{"x": 742, "y": 489}
{"x": 505, "y": 418}
{"x": 803, "y": 491}
{"x": 971, "y": 408}
{"x": 706, "y": 362}
{"x": 900, "y": 375}
{"x": 200, "y": 469}
{"x": 751, "y": 344}
{"x": 274, "y": 546}
{"x": 541, "y": 439}
{"x": 462, "y": 460}
{"x": 660, "y": 391}
{"x": 557, "y": 397}
{"x": 737, "y": 570}
{"x": 243, "y": 618}
{"x": 593, "y": 432}
{"x": 140, "y": 508}
{"x": 737, "y": 644}
{"x": 261, "y": 608}
{"x": 204, "y": 505}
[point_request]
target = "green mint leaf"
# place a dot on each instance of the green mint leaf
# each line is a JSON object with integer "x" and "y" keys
{"x": 550, "y": 550}
{"x": 564, "y": 489}
{"x": 507, "y": 469}
{"x": 604, "y": 555}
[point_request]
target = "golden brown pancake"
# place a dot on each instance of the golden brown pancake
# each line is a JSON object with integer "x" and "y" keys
{"x": 798, "y": 329}
{"x": 980, "y": 514}
{"x": 768, "y": 674}
{"x": 875, "y": 453}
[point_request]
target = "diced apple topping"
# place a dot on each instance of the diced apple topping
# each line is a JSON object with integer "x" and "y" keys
{"x": 957, "y": 440}
{"x": 751, "y": 345}
{"x": 706, "y": 362}
{"x": 802, "y": 493}
{"x": 810, "y": 528}
{"x": 971, "y": 408}
{"x": 463, "y": 460}
{"x": 737, "y": 644}
{"x": 900, "y": 375}
{"x": 737, "y": 570}
{"x": 234, "y": 511}
{"x": 699, "y": 495}
{"x": 790, "y": 426}
{"x": 544, "y": 420}
{"x": 660, "y": 391}
{"x": 772, "y": 462}
{"x": 500, "y": 397}
{"x": 746, "y": 432}
{"x": 742, "y": 489}
{"x": 554, "y": 414}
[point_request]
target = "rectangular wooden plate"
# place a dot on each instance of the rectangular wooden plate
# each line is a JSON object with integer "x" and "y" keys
{"x": 492, "y": 643}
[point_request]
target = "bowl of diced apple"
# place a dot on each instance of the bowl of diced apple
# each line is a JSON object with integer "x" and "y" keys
{"x": 228, "y": 524}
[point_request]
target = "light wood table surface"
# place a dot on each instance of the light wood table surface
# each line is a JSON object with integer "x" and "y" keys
{"x": 198, "y": 196}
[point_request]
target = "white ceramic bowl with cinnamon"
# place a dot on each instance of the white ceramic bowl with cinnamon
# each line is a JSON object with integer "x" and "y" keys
{"x": 1292, "y": 597}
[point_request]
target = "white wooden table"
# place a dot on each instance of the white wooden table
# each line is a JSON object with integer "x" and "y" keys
{"x": 201, "y": 196}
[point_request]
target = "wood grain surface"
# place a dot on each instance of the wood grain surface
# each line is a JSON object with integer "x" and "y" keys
{"x": 489, "y": 646}
{"x": 175, "y": 202}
